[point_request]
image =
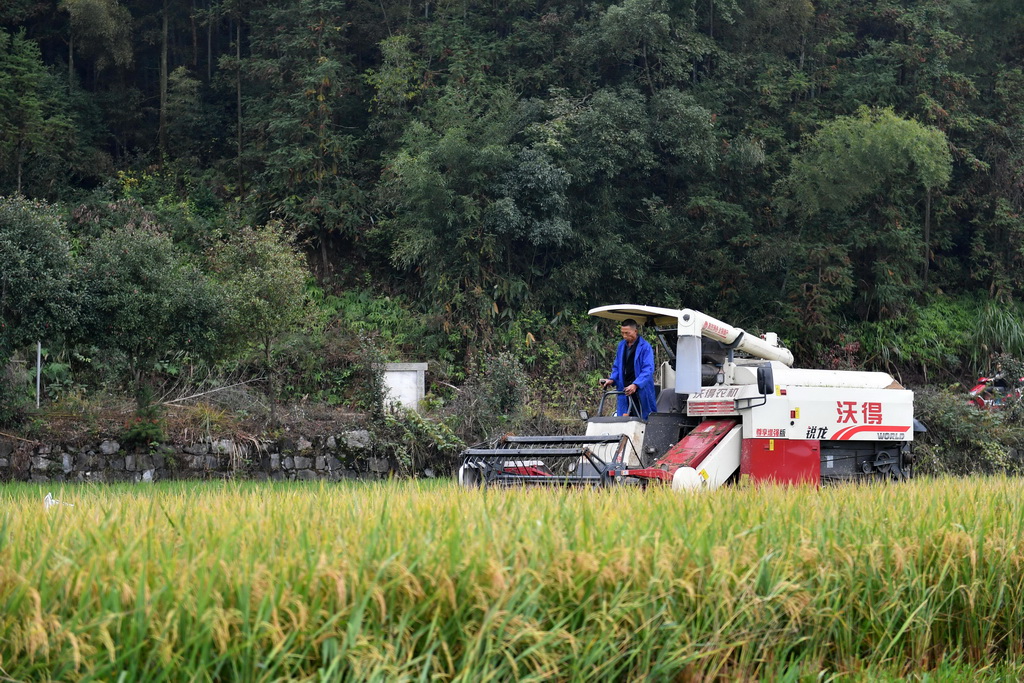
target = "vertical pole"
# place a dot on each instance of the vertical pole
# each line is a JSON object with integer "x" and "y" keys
{"x": 39, "y": 369}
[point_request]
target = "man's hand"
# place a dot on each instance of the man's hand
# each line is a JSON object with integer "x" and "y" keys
{"x": 605, "y": 383}
{"x": 630, "y": 390}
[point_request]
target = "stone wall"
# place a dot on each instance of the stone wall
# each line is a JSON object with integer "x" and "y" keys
{"x": 343, "y": 456}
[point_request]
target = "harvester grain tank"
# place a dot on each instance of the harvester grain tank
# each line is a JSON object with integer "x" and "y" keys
{"x": 730, "y": 405}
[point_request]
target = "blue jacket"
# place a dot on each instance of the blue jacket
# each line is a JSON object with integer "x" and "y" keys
{"x": 643, "y": 363}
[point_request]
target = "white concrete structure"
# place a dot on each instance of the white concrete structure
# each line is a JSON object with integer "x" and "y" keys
{"x": 405, "y": 384}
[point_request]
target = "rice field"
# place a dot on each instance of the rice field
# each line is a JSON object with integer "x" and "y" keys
{"x": 424, "y": 581}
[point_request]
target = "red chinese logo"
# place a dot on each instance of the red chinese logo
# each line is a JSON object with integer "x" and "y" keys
{"x": 871, "y": 412}
{"x": 846, "y": 411}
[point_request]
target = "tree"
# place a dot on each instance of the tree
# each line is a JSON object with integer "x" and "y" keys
{"x": 32, "y": 118}
{"x": 853, "y": 157}
{"x": 638, "y": 34}
{"x": 637, "y": 198}
{"x": 652, "y": 44}
{"x": 857, "y": 184}
{"x": 303, "y": 147}
{"x": 993, "y": 201}
{"x": 264, "y": 276}
{"x": 37, "y": 298}
{"x": 143, "y": 297}
{"x": 183, "y": 112}
{"x": 478, "y": 215}
{"x": 396, "y": 84}
{"x": 100, "y": 30}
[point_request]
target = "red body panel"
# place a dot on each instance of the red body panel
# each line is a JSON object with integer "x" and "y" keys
{"x": 696, "y": 445}
{"x": 781, "y": 461}
{"x": 690, "y": 451}
{"x": 649, "y": 473}
{"x": 527, "y": 471}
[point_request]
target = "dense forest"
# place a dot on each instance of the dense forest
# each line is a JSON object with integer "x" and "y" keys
{"x": 466, "y": 177}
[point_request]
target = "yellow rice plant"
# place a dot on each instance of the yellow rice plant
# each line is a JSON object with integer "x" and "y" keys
{"x": 413, "y": 581}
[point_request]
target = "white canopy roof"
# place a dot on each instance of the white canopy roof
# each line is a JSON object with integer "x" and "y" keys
{"x": 645, "y": 315}
{"x": 691, "y": 323}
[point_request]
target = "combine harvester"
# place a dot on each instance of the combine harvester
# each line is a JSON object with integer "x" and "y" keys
{"x": 730, "y": 405}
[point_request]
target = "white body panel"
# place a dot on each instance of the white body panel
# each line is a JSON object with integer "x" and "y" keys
{"x": 823, "y": 405}
{"x": 853, "y": 379}
{"x": 824, "y": 414}
{"x": 715, "y": 469}
{"x": 818, "y": 413}
{"x": 665, "y": 375}
{"x": 718, "y": 400}
{"x": 662, "y": 317}
{"x": 634, "y": 429}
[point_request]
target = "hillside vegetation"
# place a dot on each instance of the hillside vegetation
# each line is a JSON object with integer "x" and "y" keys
{"x": 275, "y": 196}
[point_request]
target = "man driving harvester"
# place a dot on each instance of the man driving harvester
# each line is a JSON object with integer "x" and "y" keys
{"x": 633, "y": 373}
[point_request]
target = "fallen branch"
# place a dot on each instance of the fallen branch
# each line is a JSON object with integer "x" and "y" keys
{"x": 211, "y": 391}
{"x": 12, "y": 436}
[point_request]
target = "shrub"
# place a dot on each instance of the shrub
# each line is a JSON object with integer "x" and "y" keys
{"x": 933, "y": 338}
{"x": 144, "y": 298}
{"x": 37, "y": 300}
{"x": 12, "y": 399}
{"x": 962, "y": 439}
{"x": 418, "y": 443}
{"x": 146, "y": 426}
{"x": 371, "y": 370}
{"x": 491, "y": 399}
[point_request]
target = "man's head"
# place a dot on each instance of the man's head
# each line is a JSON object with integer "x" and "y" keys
{"x": 629, "y": 330}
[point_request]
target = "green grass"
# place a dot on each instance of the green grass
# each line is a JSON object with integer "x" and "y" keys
{"x": 256, "y": 581}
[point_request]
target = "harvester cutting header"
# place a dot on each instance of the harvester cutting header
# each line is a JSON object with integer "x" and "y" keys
{"x": 729, "y": 405}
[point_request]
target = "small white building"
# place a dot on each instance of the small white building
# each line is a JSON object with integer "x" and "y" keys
{"x": 405, "y": 384}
